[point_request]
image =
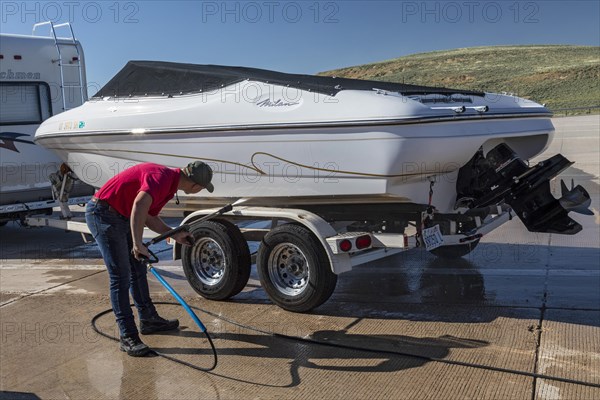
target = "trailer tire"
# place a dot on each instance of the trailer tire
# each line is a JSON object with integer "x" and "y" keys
{"x": 456, "y": 251}
{"x": 294, "y": 269}
{"x": 218, "y": 265}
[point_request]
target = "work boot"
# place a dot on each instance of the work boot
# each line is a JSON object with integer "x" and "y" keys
{"x": 134, "y": 346}
{"x": 157, "y": 324}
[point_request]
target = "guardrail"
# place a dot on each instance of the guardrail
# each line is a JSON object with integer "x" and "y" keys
{"x": 574, "y": 110}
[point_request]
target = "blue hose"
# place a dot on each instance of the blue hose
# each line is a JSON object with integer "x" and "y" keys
{"x": 179, "y": 299}
{"x": 187, "y": 308}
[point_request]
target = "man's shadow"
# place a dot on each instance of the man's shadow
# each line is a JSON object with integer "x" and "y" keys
{"x": 331, "y": 350}
{"x": 344, "y": 351}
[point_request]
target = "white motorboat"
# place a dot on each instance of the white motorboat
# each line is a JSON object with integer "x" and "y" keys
{"x": 309, "y": 141}
{"x": 339, "y": 172}
{"x": 39, "y": 77}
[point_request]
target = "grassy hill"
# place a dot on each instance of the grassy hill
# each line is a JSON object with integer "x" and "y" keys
{"x": 560, "y": 76}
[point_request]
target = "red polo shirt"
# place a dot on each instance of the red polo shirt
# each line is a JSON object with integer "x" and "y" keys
{"x": 158, "y": 181}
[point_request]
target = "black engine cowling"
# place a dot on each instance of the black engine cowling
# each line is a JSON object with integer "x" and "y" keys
{"x": 500, "y": 176}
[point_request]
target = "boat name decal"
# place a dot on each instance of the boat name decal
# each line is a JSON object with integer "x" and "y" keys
{"x": 19, "y": 75}
{"x": 8, "y": 140}
{"x": 276, "y": 103}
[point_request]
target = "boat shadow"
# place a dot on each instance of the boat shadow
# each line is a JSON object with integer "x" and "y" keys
{"x": 496, "y": 280}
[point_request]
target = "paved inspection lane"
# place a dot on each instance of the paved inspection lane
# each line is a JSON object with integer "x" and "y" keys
{"x": 522, "y": 302}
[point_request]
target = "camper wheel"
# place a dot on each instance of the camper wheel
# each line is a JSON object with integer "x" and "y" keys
{"x": 218, "y": 265}
{"x": 294, "y": 269}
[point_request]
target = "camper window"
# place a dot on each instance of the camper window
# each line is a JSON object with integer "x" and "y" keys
{"x": 24, "y": 103}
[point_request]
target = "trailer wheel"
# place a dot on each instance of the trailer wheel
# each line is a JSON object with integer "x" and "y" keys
{"x": 294, "y": 269}
{"x": 455, "y": 251}
{"x": 218, "y": 265}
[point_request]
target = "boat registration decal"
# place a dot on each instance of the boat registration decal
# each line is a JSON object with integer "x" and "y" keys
{"x": 71, "y": 125}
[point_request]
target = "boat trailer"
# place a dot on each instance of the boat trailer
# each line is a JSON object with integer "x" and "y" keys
{"x": 302, "y": 251}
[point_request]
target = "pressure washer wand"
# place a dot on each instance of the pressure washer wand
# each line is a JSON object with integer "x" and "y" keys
{"x": 148, "y": 263}
{"x": 186, "y": 227}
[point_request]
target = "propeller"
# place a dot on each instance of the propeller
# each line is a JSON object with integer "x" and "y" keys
{"x": 577, "y": 199}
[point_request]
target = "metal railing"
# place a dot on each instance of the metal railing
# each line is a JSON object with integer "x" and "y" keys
{"x": 558, "y": 112}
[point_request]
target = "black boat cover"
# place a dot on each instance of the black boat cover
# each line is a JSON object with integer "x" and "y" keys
{"x": 141, "y": 78}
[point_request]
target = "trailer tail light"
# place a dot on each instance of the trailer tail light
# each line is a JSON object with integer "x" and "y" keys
{"x": 363, "y": 242}
{"x": 351, "y": 242}
{"x": 75, "y": 59}
{"x": 1, "y": 56}
{"x": 345, "y": 245}
{"x": 17, "y": 57}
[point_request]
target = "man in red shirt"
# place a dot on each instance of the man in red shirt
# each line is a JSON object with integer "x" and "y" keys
{"x": 116, "y": 217}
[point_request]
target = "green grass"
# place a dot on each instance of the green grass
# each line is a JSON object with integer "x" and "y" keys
{"x": 559, "y": 76}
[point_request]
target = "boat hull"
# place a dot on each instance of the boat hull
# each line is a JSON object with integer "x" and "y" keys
{"x": 310, "y": 165}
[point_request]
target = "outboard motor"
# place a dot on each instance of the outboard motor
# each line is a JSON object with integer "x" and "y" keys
{"x": 501, "y": 176}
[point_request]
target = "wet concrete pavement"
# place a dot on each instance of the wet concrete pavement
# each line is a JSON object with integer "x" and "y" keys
{"x": 521, "y": 303}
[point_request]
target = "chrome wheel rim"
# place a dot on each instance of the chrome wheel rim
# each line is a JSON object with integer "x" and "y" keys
{"x": 288, "y": 269}
{"x": 208, "y": 261}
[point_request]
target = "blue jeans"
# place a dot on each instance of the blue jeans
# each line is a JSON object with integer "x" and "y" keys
{"x": 112, "y": 232}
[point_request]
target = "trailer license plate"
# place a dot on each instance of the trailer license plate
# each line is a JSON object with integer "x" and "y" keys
{"x": 432, "y": 237}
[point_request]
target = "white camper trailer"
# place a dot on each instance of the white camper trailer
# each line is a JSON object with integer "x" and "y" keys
{"x": 40, "y": 76}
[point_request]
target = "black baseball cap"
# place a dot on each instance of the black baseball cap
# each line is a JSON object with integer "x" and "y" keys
{"x": 200, "y": 173}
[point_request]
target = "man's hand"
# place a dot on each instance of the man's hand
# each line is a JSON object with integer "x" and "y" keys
{"x": 184, "y": 238}
{"x": 158, "y": 226}
{"x": 140, "y": 251}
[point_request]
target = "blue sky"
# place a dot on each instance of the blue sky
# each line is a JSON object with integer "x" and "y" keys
{"x": 299, "y": 36}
